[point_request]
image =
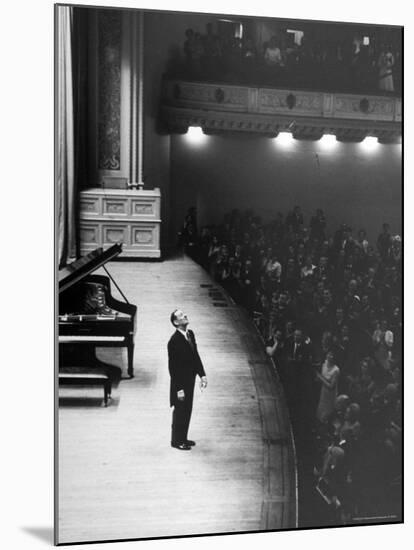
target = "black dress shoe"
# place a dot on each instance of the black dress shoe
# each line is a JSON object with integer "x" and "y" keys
{"x": 181, "y": 446}
{"x": 190, "y": 443}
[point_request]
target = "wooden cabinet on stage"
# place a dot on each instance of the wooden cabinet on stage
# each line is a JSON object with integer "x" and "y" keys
{"x": 133, "y": 217}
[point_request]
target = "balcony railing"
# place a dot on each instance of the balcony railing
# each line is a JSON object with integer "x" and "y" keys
{"x": 309, "y": 114}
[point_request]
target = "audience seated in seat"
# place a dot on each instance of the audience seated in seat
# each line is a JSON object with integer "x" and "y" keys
{"x": 347, "y": 303}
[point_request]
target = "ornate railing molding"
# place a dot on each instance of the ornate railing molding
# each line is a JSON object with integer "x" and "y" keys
{"x": 221, "y": 108}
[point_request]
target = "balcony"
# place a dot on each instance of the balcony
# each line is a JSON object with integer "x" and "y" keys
{"x": 223, "y": 108}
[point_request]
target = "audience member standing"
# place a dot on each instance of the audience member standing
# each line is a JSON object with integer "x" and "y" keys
{"x": 384, "y": 241}
{"x": 272, "y": 54}
{"x": 385, "y": 65}
{"x": 299, "y": 375}
{"x": 189, "y": 46}
{"x": 329, "y": 378}
{"x": 211, "y": 60}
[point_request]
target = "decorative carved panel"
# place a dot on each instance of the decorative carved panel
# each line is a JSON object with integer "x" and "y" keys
{"x": 219, "y": 96}
{"x": 282, "y": 101}
{"x": 269, "y": 100}
{"x": 236, "y": 96}
{"x": 129, "y": 216}
{"x": 89, "y": 234}
{"x": 115, "y": 206}
{"x": 359, "y": 107}
{"x": 109, "y": 86}
{"x": 143, "y": 208}
{"x": 89, "y": 205}
{"x": 142, "y": 236}
{"x": 114, "y": 234}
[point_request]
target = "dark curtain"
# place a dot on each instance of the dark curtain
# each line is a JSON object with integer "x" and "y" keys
{"x": 64, "y": 142}
{"x": 71, "y": 125}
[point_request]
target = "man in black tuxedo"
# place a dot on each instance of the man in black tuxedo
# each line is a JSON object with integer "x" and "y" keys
{"x": 184, "y": 364}
{"x": 298, "y": 375}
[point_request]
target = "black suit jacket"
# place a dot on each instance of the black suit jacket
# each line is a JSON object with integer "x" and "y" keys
{"x": 184, "y": 364}
{"x": 302, "y": 356}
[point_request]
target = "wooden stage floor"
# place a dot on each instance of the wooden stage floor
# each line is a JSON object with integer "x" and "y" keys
{"x": 118, "y": 476}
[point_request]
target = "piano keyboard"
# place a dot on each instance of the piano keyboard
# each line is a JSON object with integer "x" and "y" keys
{"x": 85, "y": 317}
{"x": 74, "y": 339}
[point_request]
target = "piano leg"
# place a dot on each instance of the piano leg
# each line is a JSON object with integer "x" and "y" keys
{"x": 131, "y": 359}
{"x": 107, "y": 391}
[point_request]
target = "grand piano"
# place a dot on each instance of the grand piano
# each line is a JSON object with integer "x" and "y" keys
{"x": 89, "y": 316}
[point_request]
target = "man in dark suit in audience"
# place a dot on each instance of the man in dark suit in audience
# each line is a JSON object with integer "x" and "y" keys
{"x": 298, "y": 374}
{"x": 184, "y": 364}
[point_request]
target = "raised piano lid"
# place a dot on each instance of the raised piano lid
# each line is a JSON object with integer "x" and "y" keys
{"x": 79, "y": 269}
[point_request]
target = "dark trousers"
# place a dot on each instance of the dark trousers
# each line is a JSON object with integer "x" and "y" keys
{"x": 297, "y": 383}
{"x": 181, "y": 417}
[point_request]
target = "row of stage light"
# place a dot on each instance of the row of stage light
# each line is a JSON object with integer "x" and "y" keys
{"x": 286, "y": 140}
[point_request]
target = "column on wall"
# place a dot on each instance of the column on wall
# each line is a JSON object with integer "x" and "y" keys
{"x": 115, "y": 98}
{"x": 115, "y": 208}
{"x": 137, "y": 88}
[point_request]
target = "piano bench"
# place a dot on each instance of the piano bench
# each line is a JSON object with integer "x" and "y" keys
{"x": 83, "y": 376}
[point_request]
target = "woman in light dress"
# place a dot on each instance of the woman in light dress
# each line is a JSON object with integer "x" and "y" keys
{"x": 329, "y": 379}
{"x": 273, "y": 55}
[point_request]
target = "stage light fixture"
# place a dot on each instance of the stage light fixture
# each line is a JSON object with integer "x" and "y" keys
{"x": 328, "y": 141}
{"x": 195, "y": 135}
{"x": 284, "y": 138}
{"x": 370, "y": 143}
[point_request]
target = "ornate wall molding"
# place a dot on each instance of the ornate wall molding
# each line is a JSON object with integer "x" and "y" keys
{"x": 132, "y": 217}
{"x": 219, "y": 108}
{"x": 109, "y": 86}
{"x": 178, "y": 120}
{"x": 223, "y": 97}
{"x": 364, "y": 107}
{"x": 109, "y": 77}
{"x": 287, "y": 101}
{"x": 136, "y": 26}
